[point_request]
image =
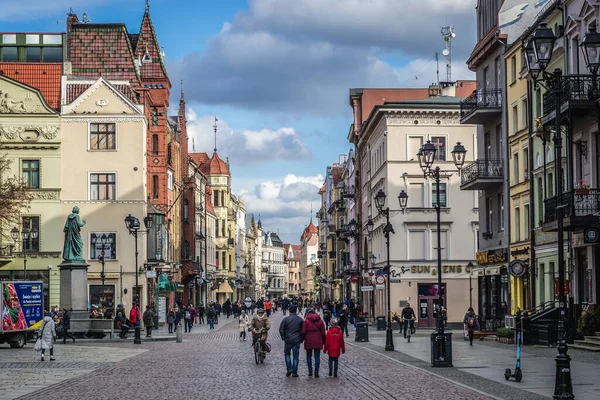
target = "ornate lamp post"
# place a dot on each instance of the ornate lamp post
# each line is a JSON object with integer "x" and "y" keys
{"x": 133, "y": 226}
{"x": 538, "y": 53}
{"x": 442, "y": 354}
{"x": 387, "y": 230}
{"x": 27, "y": 238}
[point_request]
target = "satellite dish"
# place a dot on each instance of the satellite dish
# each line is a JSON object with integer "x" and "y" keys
{"x": 453, "y": 34}
{"x": 445, "y": 52}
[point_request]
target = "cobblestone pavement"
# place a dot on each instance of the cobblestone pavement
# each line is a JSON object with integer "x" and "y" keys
{"x": 217, "y": 365}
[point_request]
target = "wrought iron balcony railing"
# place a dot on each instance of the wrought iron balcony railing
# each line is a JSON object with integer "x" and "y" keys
{"x": 578, "y": 203}
{"x": 482, "y": 169}
{"x": 574, "y": 89}
{"x": 481, "y": 99}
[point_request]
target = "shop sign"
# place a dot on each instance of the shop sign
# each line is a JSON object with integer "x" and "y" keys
{"x": 368, "y": 288}
{"x": 591, "y": 236}
{"x": 151, "y": 274}
{"x": 354, "y": 279}
{"x": 518, "y": 268}
{"x": 557, "y": 287}
{"x": 489, "y": 257}
{"x": 379, "y": 287}
{"x": 520, "y": 252}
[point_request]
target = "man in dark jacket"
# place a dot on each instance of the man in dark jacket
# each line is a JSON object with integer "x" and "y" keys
{"x": 66, "y": 325}
{"x": 290, "y": 331}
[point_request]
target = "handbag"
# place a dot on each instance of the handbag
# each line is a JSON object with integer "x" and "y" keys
{"x": 38, "y": 343}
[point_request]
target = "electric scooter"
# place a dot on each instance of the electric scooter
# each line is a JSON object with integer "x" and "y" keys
{"x": 518, "y": 375}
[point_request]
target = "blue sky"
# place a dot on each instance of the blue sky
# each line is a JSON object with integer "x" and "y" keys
{"x": 276, "y": 73}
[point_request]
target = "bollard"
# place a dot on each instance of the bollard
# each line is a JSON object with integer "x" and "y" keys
{"x": 179, "y": 334}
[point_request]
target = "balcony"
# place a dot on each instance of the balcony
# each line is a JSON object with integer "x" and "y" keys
{"x": 230, "y": 242}
{"x": 6, "y": 253}
{"x": 482, "y": 174}
{"x": 481, "y": 106}
{"x": 340, "y": 205}
{"x": 580, "y": 210}
{"x": 577, "y": 95}
{"x": 332, "y": 229}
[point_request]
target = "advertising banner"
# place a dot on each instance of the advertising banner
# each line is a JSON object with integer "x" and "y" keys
{"x": 22, "y": 305}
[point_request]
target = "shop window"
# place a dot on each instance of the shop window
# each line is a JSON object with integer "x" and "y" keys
{"x": 96, "y": 245}
{"x": 106, "y": 299}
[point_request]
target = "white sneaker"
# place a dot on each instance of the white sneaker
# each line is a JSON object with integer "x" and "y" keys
{"x": 52, "y": 358}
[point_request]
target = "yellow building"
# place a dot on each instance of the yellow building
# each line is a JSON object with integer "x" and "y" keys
{"x": 31, "y": 139}
{"x": 517, "y": 104}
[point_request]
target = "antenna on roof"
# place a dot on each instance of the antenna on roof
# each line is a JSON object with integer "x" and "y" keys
{"x": 215, "y": 127}
{"x": 437, "y": 67}
{"x": 182, "y": 89}
{"x": 147, "y": 6}
{"x": 448, "y": 34}
{"x": 85, "y": 19}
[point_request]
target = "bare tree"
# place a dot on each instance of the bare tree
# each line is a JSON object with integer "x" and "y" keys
{"x": 14, "y": 196}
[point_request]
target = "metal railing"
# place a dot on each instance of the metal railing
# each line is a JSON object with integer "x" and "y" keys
{"x": 577, "y": 203}
{"x": 481, "y": 99}
{"x": 578, "y": 88}
{"x": 6, "y": 250}
{"x": 482, "y": 169}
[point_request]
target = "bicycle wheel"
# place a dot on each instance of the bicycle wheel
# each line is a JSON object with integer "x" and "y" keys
{"x": 408, "y": 336}
{"x": 257, "y": 352}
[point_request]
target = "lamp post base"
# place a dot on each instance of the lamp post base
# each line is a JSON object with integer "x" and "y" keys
{"x": 389, "y": 339}
{"x": 563, "y": 387}
{"x": 137, "y": 339}
{"x": 441, "y": 349}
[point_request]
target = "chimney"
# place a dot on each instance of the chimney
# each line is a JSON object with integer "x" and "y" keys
{"x": 71, "y": 20}
{"x": 448, "y": 89}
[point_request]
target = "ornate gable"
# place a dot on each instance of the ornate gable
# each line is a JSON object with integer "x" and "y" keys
{"x": 18, "y": 98}
{"x": 103, "y": 98}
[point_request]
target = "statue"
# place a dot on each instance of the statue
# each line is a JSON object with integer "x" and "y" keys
{"x": 73, "y": 249}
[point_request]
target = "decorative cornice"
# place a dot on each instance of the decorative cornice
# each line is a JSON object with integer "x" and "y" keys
{"x": 13, "y": 132}
{"x": 434, "y": 118}
{"x": 115, "y": 119}
{"x": 46, "y": 194}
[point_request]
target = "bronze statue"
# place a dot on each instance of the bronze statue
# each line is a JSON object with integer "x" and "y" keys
{"x": 73, "y": 248}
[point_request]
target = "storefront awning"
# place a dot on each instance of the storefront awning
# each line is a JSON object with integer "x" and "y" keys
{"x": 224, "y": 287}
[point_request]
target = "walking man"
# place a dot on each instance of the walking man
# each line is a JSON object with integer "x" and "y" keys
{"x": 148, "y": 320}
{"x": 290, "y": 331}
{"x": 471, "y": 322}
{"x": 66, "y": 325}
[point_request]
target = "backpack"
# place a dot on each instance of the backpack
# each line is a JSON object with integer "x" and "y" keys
{"x": 471, "y": 322}
{"x": 187, "y": 315}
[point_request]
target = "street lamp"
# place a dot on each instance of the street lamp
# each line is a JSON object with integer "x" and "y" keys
{"x": 370, "y": 225}
{"x": 133, "y": 226}
{"x": 539, "y": 53}
{"x": 470, "y": 267}
{"x": 27, "y": 239}
{"x": 389, "y": 229}
{"x": 373, "y": 259}
{"x": 442, "y": 354}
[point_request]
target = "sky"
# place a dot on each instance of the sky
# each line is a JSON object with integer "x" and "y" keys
{"x": 277, "y": 74}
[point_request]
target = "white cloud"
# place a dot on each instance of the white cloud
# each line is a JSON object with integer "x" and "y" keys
{"x": 284, "y": 204}
{"x": 421, "y": 73}
{"x": 245, "y": 147}
{"x": 25, "y": 10}
{"x": 289, "y": 56}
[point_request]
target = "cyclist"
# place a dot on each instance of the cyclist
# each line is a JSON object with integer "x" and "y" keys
{"x": 260, "y": 328}
{"x": 408, "y": 316}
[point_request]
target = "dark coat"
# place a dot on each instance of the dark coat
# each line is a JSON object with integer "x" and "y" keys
{"x": 66, "y": 320}
{"x": 313, "y": 331}
{"x": 290, "y": 329}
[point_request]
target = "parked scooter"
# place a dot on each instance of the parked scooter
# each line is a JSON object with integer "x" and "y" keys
{"x": 518, "y": 375}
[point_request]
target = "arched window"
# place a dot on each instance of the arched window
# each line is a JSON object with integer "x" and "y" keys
{"x": 155, "y": 145}
{"x": 155, "y": 186}
{"x": 186, "y": 212}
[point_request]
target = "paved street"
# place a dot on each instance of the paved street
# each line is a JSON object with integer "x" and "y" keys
{"x": 217, "y": 363}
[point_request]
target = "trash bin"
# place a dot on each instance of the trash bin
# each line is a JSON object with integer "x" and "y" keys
{"x": 362, "y": 332}
{"x": 380, "y": 323}
{"x": 441, "y": 349}
{"x": 155, "y": 322}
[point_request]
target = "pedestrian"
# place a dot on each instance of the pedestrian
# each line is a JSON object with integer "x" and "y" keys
{"x": 121, "y": 323}
{"x": 134, "y": 315}
{"x": 148, "y": 318}
{"x": 218, "y": 312}
{"x": 243, "y": 325}
{"x": 177, "y": 320}
{"x": 471, "y": 323}
{"x": 201, "y": 312}
{"x": 343, "y": 316}
{"x": 236, "y": 309}
{"x": 313, "y": 332}
{"x": 334, "y": 346}
{"x": 290, "y": 331}
{"x": 211, "y": 314}
{"x": 227, "y": 308}
{"x": 326, "y": 316}
{"x": 171, "y": 319}
{"x": 47, "y": 334}
{"x": 66, "y": 325}
{"x": 187, "y": 325}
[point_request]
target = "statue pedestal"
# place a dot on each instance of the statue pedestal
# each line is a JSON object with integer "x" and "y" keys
{"x": 74, "y": 289}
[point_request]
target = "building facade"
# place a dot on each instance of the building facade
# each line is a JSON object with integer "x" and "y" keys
{"x": 292, "y": 257}
{"x": 273, "y": 261}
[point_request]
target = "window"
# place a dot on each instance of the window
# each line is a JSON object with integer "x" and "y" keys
{"x": 110, "y": 245}
{"x": 489, "y": 214}
{"x": 29, "y": 222}
{"x": 526, "y": 222}
{"x": 513, "y": 69}
{"x": 186, "y": 211}
{"x": 155, "y": 145}
{"x": 516, "y": 178}
{"x": 501, "y": 211}
{"x": 517, "y": 230}
{"x": 526, "y": 164}
{"x": 186, "y": 250}
{"x": 102, "y": 137}
{"x": 217, "y": 229}
{"x": 524, "y": 116}
{"x": 223, "y": 260}
{"x": 170, "y": 180}
{"x": 155, "y": 186}
{"x": 9, "y": 54}
{"x": 53, "y": 54}
{"x": 31, "y": 173}
{"x": 216, "y": 198}
{"x": 223, "y": 204}
{"x": 169, "y": 153}
{"x": 416, "y": 245}
{"x": 414, "y": 144}
{"x": 442, "y": 192}
{"x": 223, "y": 227}
{"x": 102, "y": 187}
{"x": 33, "y": 54}
{"x": 515, "y": 119}
{"x": 440, "y": 143}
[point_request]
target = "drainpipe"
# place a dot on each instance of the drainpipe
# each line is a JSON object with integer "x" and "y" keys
{"x": 506, "y": 193}
{"x": 531, "y": 196}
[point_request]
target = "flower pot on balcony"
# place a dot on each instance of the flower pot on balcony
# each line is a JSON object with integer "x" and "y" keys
{"x": 582, "y": 191}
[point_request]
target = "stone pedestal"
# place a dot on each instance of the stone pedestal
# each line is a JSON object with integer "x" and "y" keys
{"x": 74, "y": 289}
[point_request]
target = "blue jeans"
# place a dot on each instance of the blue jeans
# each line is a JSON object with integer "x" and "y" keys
{"x": 294, "y": 348}
{"x": 309, "y": 354}
{"x": 211, "y": 323}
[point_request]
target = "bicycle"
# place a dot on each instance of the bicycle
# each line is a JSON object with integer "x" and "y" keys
{"x": 259, "y": 353}
{"x": 411, "y": 327}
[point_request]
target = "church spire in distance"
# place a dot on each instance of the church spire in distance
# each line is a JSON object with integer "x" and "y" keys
{"x": 215, "y": 128}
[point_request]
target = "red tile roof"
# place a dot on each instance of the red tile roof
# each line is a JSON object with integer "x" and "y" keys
{"x": 199, "y": 158}
{"x": 147, "y": 41}
{"x": 215, "y": 166}
{"x": 43, "y": 76}
{"x": 309, "y": 230}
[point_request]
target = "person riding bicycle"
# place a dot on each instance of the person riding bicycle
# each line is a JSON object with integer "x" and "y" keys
{"x": 260, "y": 328}
{"x": 408, "y": 316}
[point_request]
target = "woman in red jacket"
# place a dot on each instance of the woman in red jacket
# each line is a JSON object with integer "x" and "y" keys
{"x": 313, "y": 332}
{"x": 334, "y": 345}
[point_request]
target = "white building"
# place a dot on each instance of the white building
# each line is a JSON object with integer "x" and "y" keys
{"x": 274, "y": 263}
